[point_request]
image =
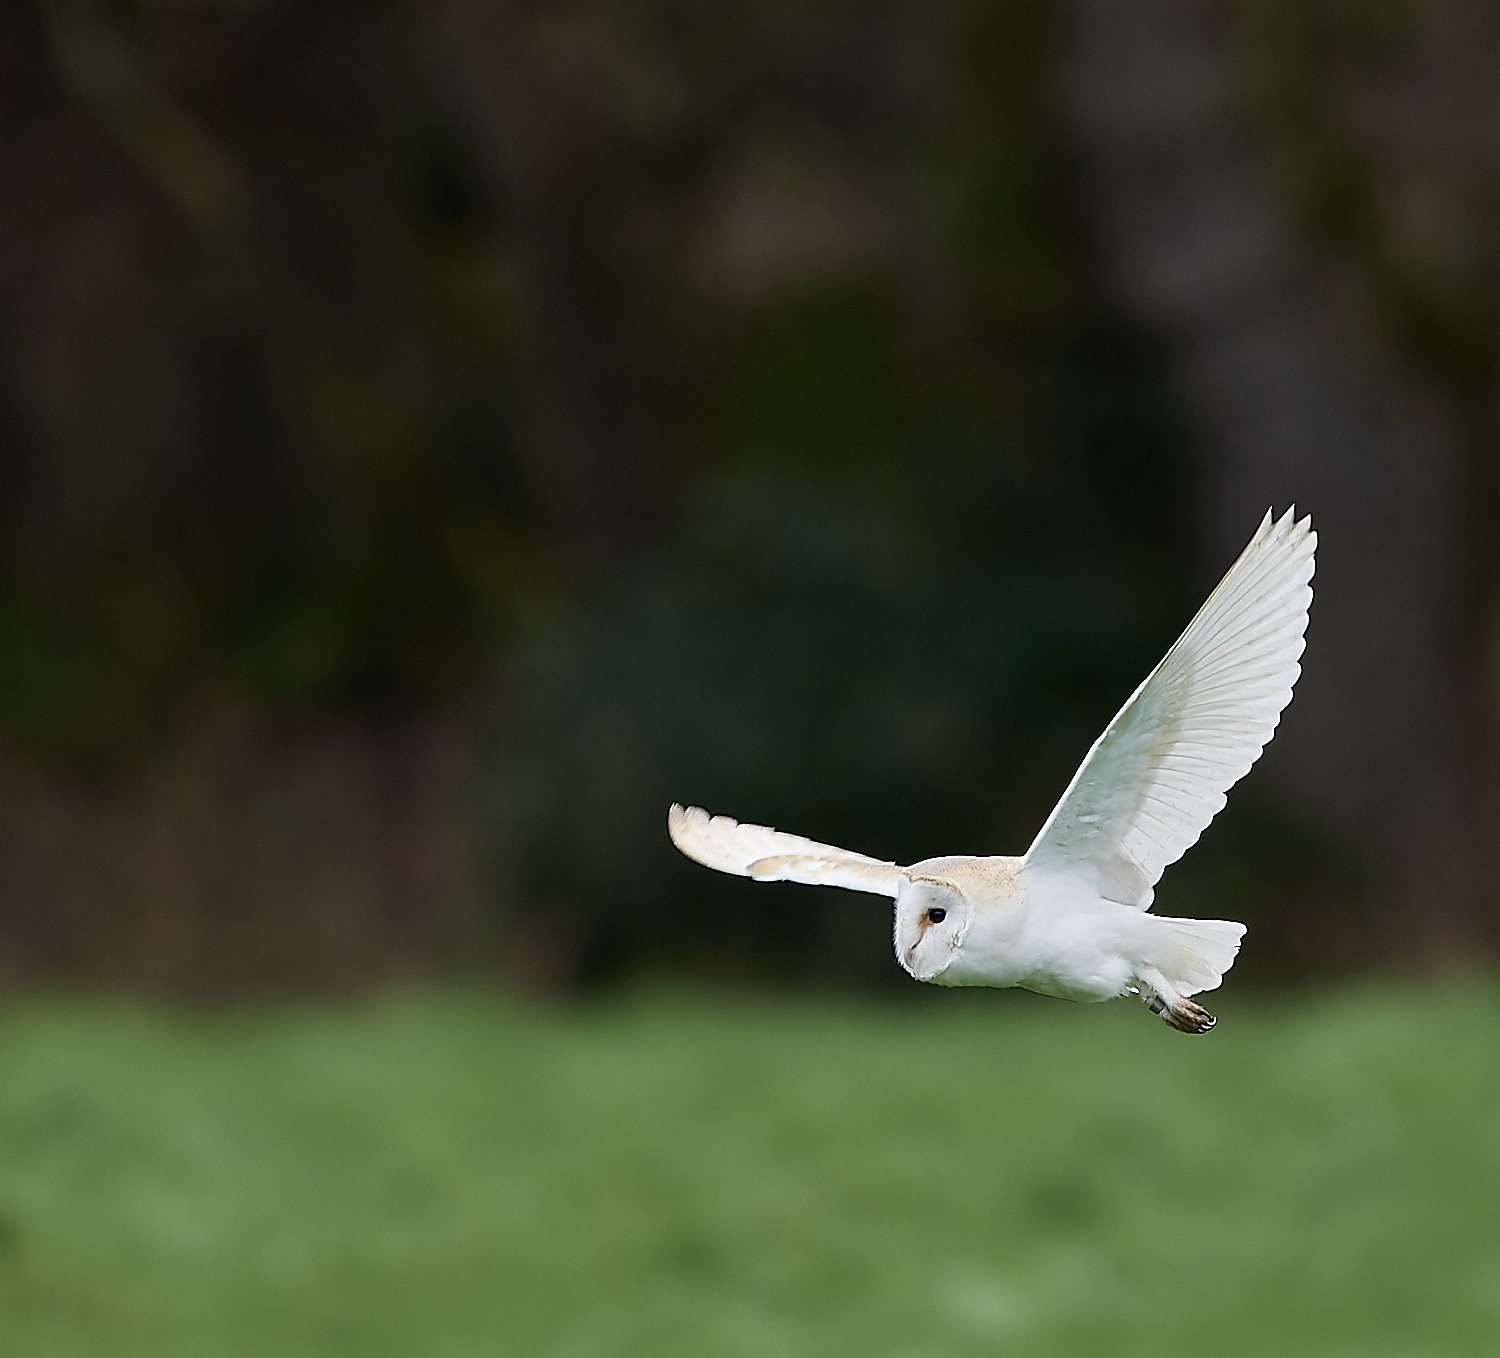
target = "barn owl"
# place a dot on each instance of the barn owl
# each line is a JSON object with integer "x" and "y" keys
{"x": 1069, "y": 917}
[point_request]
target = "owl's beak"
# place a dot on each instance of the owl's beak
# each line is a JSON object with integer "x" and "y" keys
{"x": 916, "y": 943}
{"x": 923, "y": 925}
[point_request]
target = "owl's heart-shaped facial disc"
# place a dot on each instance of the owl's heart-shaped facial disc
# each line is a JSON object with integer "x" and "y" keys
{"x": 932, "y": 917}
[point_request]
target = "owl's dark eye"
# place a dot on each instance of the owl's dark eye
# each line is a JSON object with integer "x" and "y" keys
{"x": 936, "y": 915}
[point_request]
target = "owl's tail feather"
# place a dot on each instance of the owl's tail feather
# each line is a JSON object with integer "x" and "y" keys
{"x": 1193, "y": 954}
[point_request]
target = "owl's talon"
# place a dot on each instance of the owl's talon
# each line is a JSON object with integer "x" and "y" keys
{"x": 1187, "y": 1017}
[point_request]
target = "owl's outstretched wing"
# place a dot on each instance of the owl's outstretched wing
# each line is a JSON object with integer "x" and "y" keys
{"x": 1160, "y": 771}
{"x": 768, "y": 855}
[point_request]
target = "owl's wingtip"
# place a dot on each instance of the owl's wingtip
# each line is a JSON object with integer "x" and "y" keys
{"x": 682, "y": 821}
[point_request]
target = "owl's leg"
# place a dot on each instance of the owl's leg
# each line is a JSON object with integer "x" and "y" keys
{"x": 1176, "y": 1011}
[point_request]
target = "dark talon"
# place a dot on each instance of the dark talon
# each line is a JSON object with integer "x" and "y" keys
{"x": 1187, "y": 1017}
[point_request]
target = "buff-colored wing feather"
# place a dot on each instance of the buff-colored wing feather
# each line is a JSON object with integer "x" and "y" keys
{"x": 768, "y": 855}
{"x": 1160, "y": 771}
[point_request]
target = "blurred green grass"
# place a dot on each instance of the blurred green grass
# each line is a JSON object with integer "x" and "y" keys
{"x": 448, "y": 1174}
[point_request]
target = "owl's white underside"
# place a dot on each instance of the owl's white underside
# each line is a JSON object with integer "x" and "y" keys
{"x": 1070, "y": 917}
{"x": 1096, "y": 950}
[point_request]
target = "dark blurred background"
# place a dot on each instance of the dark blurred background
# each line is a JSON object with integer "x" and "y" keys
{"x": 434, "y": 437}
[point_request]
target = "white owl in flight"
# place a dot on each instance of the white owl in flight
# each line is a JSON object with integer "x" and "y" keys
{"x": 1070, "y": 917}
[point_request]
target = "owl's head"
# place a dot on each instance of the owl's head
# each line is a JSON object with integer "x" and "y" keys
{"x": 932, "y": 916}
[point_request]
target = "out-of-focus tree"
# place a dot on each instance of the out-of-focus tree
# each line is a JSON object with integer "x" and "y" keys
{"x": 437, "y": 436}
{"x": 699, "y": 401}
{"x": 1293, "y": 196}
{"x": 1379, "y": 136}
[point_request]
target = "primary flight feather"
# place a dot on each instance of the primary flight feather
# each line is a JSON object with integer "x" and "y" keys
{"x": 1070, "y": 917}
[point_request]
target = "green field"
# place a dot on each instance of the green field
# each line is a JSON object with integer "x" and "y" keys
{"x": 453, "y": 1175}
